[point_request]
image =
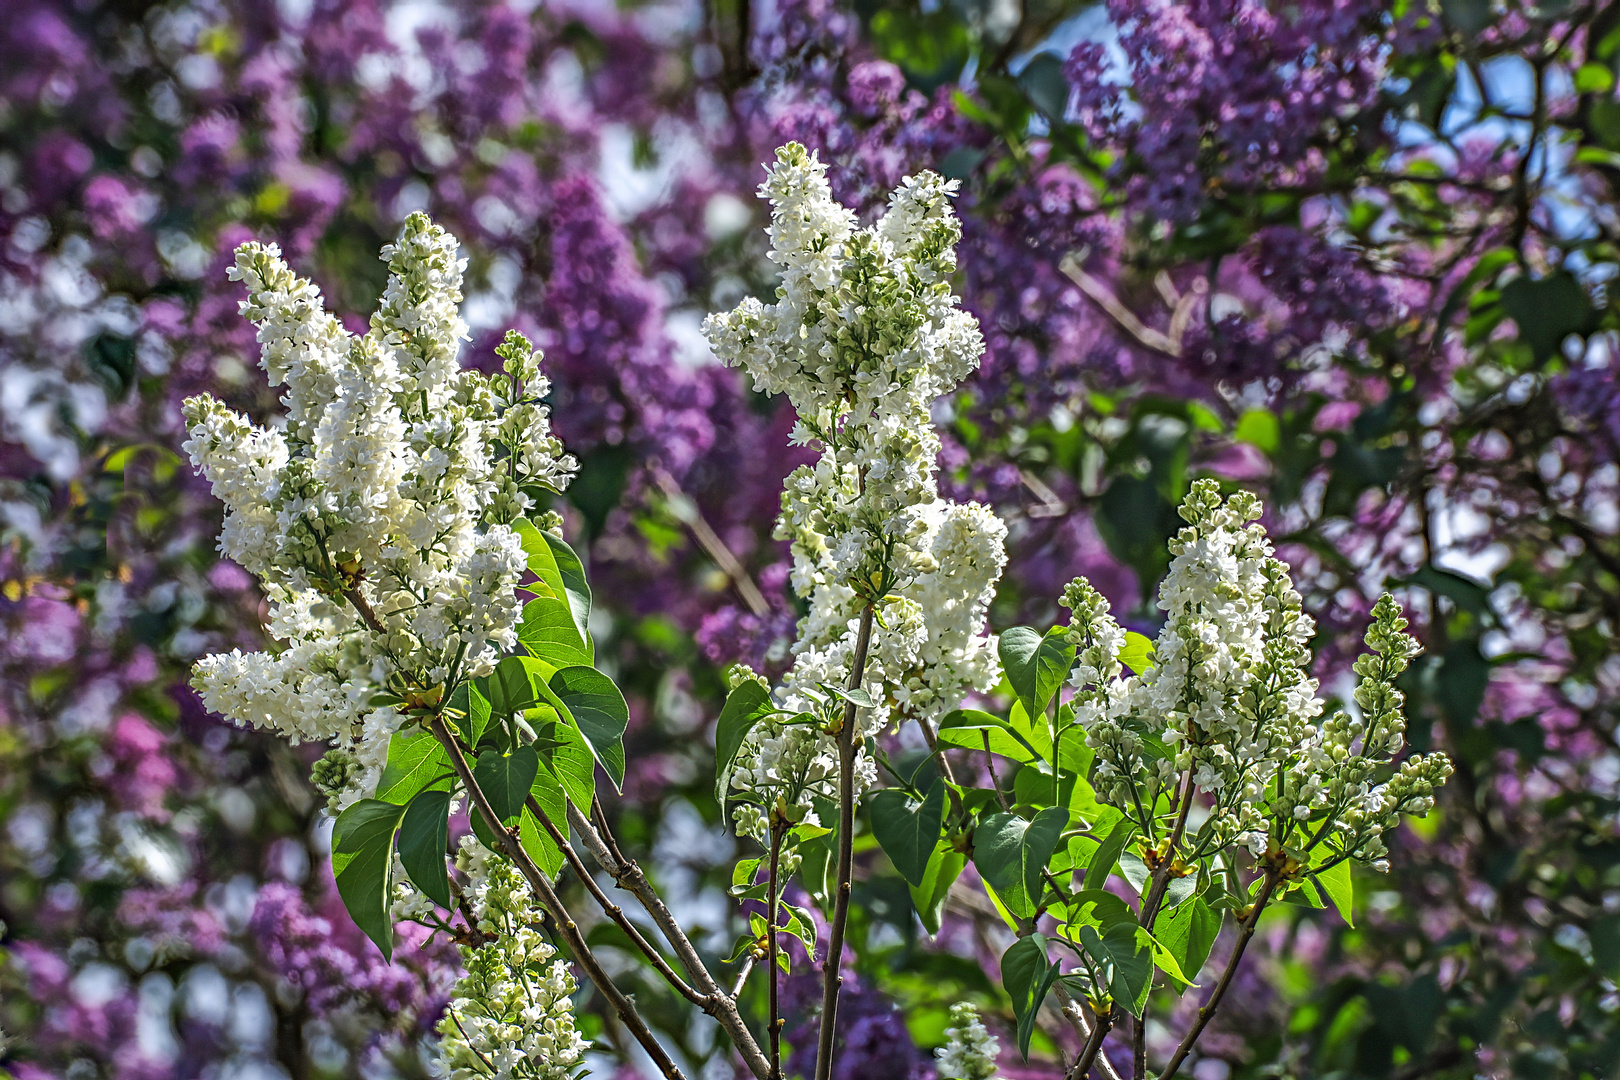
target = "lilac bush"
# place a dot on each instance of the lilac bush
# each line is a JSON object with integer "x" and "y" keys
{"x": 1348, "y": 255}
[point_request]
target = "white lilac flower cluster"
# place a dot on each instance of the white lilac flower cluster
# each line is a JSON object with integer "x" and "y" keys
{"x": 391, "y": 487}
{"x": 1229, "y": 696}
{"x": 512, "y": 1014}
{"x": 864, "y": 336}
{"x": 970, "y": 1051}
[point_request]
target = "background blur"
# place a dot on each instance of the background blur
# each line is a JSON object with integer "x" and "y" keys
{"x": 1352, "y": 254}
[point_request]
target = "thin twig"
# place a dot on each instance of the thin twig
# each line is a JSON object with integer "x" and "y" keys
{"x": 1076, "y": 1017}
{"x": 1150, "y": 912}
{"x": 628, "y": 875}
{"x": 685, "y": 508}
{"x": 832, "y": 980}
{"x": 612, "y": 910}
{"x": 1207, "y": 1011}
{"x": 1099, "y": 1031}
{"x": 1124, "y": 316}
{"x": 990, "y": 763}
{"x": 742, "y": 976}
{"x": 774, "y": 1026}
{"x": 566, "y": 927}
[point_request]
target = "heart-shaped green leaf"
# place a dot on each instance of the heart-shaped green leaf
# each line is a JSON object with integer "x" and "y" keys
{"x": 416, "y": 762}
{"x": 745, "y": 707}
{"x": 945, "y": 865}
{"x": 1012, "y": 853}
{"x": 505, "y": 779}
{"x": 907, "y": 829}
{"x": 424, "y": 839}
{"x": 363, "y": 864}
{"x": 598, "y": 710}
{"x": 1027, "y": 975}
{"x": 1036, "y": 664}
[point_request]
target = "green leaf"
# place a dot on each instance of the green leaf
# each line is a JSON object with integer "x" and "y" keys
{"x": 1011, "y": 854}
{"x": 1188, "y": 933}
{"x": 424, "y": 841}
{"x": 907, "y": 830}
{"x": 505, "y": 779}
{"x": 1469, "y": 16}
{"x": 967, "y": 728}
{"x": 511, "y": 688}
{"x": 1135, "y": 520}
{"x": 416, "y": 762}
{"x": 1597, "y": 155}
{"x": 1095, "y": 907}
{"x": 1594, "y": 79}
{"x": 1125, "y": 950}
{"x": 363, "y": 864}
{"x": 1043, "y": 81}
{"x": 1135, "y": 871}
{"x": 802, "y": 925}
{"x": 1107, "y": 854}
{"x": 478, "y": 713}
{"x": 1459, "y": 678}
{"x": 860, "y": 698}
{"x": 745, "y": 707}
{"x": 816, "y": 862}
{"x": 1165, "y": 959}
{"x": 556, "y": 624}
{"x": 1260, "y": 429}
{"x": 600, "y": 713}
{"x": 1027, "y": 975}
{"x": 1339, "y": 887}
{"x": 537, "y": 843}
{"x": 1547, "y": 310}
{"x": 559, "y": 568}
{"x": 1178, "y": 890}
{"x": 1036, "y": 665}
{"x": 548, "y": 632}
{"x": 567, "y": 768}
{"x": 1137, "y": 653}
{"x": 944, "y": 867}
{"x": 483, "y": 832}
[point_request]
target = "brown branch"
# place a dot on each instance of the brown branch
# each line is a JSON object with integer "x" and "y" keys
{"x": 1207, "y": 1011}
{"x": 1088, "y": 1056}
{"x": 686, "y": 510}
{"x": 1099, "y": 293}
{"x": 628, "y": 875}
{"x": 831, "y": 979}
{"x": 774, "y": 1026}
{"x": 1075, "y": 1015}
{"x": 1150, "y": 911}
{"x": 742, "y": 976}
{"x": 566, "y": 927}
{"x": 612, "y": 910}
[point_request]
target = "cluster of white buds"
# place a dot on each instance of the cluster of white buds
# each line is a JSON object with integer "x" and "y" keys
{"x": 378, "y": 516}
{"x": 1350, "y": 749}
{"x": 970, "y": 1051}
{"x": 864, "y": 336}
{"x": 1228, "y": 697}
{"x": 512, "y": 1014}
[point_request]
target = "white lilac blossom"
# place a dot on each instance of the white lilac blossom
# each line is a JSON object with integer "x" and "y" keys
{"x": 391, "y": 487}
{"x": 1229, "y": 696}
{"x": 864, "y": 336}
{"x": 512, "y": 1014}
{"x": 970, "y": 1051}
